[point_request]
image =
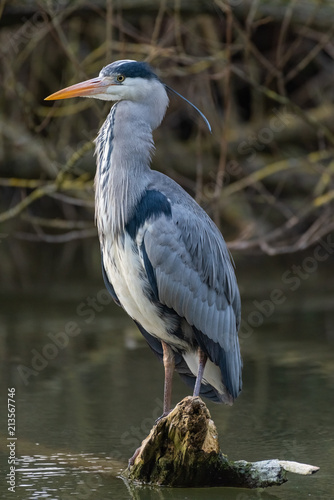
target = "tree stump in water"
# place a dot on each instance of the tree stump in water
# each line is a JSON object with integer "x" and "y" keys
{"x": 182, "y": 450}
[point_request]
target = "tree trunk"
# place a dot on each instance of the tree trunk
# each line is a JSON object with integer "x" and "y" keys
{"x": 182, "y": 450}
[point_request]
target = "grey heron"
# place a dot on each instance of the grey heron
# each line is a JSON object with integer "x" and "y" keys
{"x": 163, "y": 259}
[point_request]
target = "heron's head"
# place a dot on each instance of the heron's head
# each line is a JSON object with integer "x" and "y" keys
{"x": 123, "y": 81}
{"x": 120, "y": 80}
{"x": 126, "y": 81}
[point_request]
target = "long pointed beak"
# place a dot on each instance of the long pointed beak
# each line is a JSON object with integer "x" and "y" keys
{"x": 92, "y": 87}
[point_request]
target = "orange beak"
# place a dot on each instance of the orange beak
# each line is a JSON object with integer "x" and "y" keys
{"x": 92, "y": 87}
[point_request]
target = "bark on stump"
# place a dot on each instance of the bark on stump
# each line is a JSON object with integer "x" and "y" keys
{"x": 182, "y": 450}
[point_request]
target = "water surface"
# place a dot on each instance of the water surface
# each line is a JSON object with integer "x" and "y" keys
{"x": 82, "y": 411}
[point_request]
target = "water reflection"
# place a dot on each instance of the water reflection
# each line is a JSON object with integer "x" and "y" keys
{"x": 83, "y": 414}
{"x": 62, "y": 475}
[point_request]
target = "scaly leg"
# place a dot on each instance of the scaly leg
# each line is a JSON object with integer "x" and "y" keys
{"x": 202, "y": 358}
{"x": 169, "y": 364}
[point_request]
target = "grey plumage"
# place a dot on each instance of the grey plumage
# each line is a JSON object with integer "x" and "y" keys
{"x": 195, "y": 276}
{"x": 164, "y": 260}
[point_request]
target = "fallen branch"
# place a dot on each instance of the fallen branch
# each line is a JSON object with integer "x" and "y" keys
{"x": 182, "y": 450}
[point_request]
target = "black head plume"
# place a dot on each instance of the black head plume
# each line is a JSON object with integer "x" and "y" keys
{"x": 192, "y": 105}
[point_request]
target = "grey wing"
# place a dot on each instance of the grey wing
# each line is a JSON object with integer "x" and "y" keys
{"x": 194, "y": 276}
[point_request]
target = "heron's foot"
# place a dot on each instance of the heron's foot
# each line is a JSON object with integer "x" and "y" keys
{"x": 165, "y": 413}
{"x": 134, "y": 456}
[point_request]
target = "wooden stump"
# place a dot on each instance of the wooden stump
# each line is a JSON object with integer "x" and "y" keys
{"x": 182, "y": 450}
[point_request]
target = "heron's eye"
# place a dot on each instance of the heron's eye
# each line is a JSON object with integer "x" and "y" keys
{"x": 120, "y": 78}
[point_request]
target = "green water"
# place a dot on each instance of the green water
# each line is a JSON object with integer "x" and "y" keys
{"x": 88, "y": 389}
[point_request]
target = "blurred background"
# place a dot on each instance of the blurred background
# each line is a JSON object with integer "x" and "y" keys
{"x": 87, "y": 386}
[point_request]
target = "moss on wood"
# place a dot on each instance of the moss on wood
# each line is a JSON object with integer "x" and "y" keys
{"x": 182, "y": 450}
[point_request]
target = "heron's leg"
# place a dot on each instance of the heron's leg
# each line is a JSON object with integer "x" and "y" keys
{"x": 202, "y": 358}
{"x": 169, "y": 364}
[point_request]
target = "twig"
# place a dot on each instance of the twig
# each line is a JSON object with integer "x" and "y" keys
{"x": 273, "y": 169}
{"x": 310, "y": 56}
{"x": 39, "y": 193}
{"x": 227, "y": 108}
{"x": 57, "y": 223}
{"x": 286, "y": 101}
{"x": 35, "y": 195}
{"x": 59, "y": 238}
